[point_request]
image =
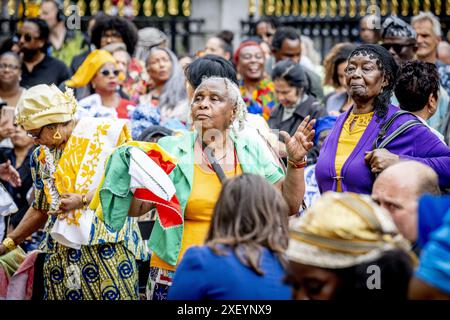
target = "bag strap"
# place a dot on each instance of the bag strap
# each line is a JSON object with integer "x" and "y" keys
{"x": 217, "y": 168}
{"x": 399, "y": 131}
{"x": 273, "y": 152}
{"x": 382, "y": 134}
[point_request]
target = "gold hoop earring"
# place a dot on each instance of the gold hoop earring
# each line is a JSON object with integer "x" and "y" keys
{"x": 57, "y": 135}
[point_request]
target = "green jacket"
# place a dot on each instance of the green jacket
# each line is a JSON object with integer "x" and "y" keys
{"x": 253, "y": 158}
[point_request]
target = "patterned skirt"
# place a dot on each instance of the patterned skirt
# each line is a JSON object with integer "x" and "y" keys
{"x": 100, "y": 272}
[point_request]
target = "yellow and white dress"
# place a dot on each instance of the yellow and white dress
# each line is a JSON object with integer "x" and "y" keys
{"x": 85, "y": 259}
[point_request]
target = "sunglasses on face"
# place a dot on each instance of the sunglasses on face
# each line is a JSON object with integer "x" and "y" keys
{"x": 4, "y": 66}
{"x": 398, "y": 48}
{"x": 107, "y": 72}
{"x": 27, "y": 37}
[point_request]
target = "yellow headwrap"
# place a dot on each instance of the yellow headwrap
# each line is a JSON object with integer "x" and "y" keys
{"x": 42, "y": 105}
{"x": 94, "y": 61}
{"x": 342, "y": 230}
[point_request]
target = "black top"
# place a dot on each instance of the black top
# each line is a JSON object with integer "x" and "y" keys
{"x": 309, "y": 107}
{"x": 78, "y": 60}
{"x": 19, "y": 194}
{"x": 48, "y": 71}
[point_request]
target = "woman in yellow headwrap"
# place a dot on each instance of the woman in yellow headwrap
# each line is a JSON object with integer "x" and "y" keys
{"x": 346, "y": 247}
{"x": 85, "y": 259}
{"x": 100, "y": 73}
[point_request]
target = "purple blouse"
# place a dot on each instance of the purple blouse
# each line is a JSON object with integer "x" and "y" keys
{"x": 416, "y": 143}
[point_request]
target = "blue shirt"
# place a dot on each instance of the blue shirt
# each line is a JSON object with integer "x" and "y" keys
{"x": 204, "y": 275}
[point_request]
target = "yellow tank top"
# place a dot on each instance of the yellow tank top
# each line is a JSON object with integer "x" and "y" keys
{"x": 349, "y": 139}
{"x": 206, "y": 187}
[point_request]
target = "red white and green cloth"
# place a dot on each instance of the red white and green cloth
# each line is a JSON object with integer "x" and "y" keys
{"x": 140, "y": 170}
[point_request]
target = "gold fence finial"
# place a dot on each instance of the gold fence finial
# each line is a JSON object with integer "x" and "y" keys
{"x": 295, "y": 8}
{"x": 405, "y": 8}
{"x": 94, "y": 7}
{"x": 287, "y": 8}
{"x": 384, "y": 7}
{"x": 148, "y": 8}
{"x": 323, "y": 8}
{"x": 186, "y": 8}
{"x": 352, "y": 9}
{"x": 313, "y": 8}
{"x": 173, "y": 7}
{"x": 394, "y": 7}
{"x": 160, "y": 7}
{"x": 437, "y": 7}
{"x": 81, "y": 7}
{"x": 252, "y": 7}
{"x": 278, "y": 8}
{"x": 362, "y": 8}
{"x": 305, "y": 8}
{"x": 342, "y": 8}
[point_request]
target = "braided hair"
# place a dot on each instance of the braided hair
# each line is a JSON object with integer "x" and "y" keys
{"x": 388, "y": 67}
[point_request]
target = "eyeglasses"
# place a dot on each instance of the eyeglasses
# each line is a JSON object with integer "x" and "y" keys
{"x": 398, "y": 48}
{"x": 107, "y": 72}
{"x": 4, "y": 66}
{"x": 28, "y": 37}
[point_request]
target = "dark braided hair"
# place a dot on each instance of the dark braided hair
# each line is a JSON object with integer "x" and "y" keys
{"x": 388, "y": 67}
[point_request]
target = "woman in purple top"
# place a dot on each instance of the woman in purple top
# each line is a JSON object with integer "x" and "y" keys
{"x": 370, "y": 77}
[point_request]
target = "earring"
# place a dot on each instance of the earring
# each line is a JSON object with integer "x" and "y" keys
{"x": 57, "y": 135}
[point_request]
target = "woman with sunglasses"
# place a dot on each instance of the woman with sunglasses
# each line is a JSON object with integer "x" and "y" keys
{"x": 399, "y": 38}
{"x": 100, "y": 70}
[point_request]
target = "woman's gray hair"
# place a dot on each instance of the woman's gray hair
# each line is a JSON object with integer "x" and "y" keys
{"x": 234, "y": 95}
{"x": 174, "y": 90}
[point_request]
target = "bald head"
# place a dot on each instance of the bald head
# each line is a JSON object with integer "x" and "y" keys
{"x": 412, "y": 174}
{"x": 398, "y": 188}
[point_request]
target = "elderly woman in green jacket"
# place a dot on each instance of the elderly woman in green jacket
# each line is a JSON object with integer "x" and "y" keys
{"x": 215, "y": 150}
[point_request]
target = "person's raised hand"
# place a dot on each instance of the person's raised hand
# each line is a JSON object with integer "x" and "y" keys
{"x": 301, "y": 142}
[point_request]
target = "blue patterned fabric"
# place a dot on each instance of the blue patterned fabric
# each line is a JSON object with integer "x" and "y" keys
{"x": 144, "y": 116}
{"x": 434, "y": 267}
{"x": 99, "y": 272}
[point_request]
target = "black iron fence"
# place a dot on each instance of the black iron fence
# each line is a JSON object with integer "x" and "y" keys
{"x": 328, "y": 22}
{"x": 170, "y": 16}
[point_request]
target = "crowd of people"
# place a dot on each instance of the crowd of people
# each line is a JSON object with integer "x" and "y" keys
{"x": 256, "y": 172}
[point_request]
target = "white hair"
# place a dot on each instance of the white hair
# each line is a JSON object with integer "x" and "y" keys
{"x": 428, "y": 16}
{"x": 235, "y": 97}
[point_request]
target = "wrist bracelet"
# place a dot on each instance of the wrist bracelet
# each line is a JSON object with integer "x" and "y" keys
{"x": 85, "y": 201}
{"x": 9, "y": 244}
{"x": 298, "y": 165}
